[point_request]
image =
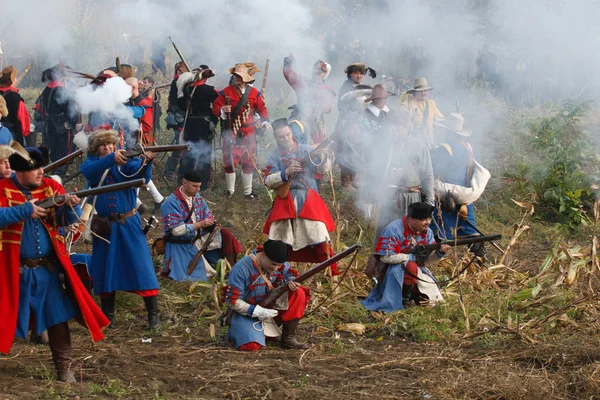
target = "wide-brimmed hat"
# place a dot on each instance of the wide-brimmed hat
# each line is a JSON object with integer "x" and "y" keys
{"x": 379, "y": 92}
{"x": 455, "y": 123}
{"x": 420, "y": 85}
{"x": 8, "y": 76}
{"x": 250, "y": 66}
{"x": 241, "y": 70}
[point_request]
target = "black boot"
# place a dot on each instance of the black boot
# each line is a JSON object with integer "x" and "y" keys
{"x": 60, "y": 344}
{"x": 108, "y": 307}
{"x": 407, "y": 294}
{"x": 152, "y": 307}
{"x": 288, "y": 339}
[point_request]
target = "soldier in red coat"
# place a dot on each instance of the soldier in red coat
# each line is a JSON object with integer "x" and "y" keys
{"x": 36, "y": 265}
{"x": 239, "y": 135}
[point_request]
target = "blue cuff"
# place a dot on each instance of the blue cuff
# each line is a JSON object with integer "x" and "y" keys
{"x": 251, "y": 310}
{"x": 440, "y": 254}
{"x": 283, "y": 178}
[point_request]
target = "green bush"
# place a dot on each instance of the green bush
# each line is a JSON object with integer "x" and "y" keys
{"x": 556, "y": 157}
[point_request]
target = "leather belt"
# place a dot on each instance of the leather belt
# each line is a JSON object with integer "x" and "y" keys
{"x": 33, "y": 263}
{"x": 121, "y": 217}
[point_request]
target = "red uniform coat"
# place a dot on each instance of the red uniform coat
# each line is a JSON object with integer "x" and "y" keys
{"x": 255, "y": 104}
{"x": 10, "y": 246}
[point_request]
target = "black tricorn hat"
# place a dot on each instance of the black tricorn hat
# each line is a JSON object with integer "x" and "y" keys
{"x": 276, "y": 250}
{"x": 38, "y": 158}
{"x": 420, "y": 210}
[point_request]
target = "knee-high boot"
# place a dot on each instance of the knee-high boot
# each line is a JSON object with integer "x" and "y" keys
{"x": 288, "y": 336}
{"x": 152, "y": 308}
{"x": 107, "y": 305}
{"x": 59, "y": 337}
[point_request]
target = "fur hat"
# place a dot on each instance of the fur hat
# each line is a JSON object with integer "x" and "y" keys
{"x": 276, "y": 250}
{"x": 8, "y": 76}
{"x": 420, "y": 210}
{"x": 29, "y": 158}
{"x": 3, "y": 109}
{"x": 99, "y": 138}
{"x": 360, "y": 67}
{"x": 5, "y": 151}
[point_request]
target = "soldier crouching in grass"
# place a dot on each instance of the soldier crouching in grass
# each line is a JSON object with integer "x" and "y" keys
{"x": 250, "y": 281}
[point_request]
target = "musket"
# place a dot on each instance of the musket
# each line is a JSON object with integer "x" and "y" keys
{"x": 192, "y": 264}
{"x": 138, "y": 149}
{"x": 62, "y": 161}
{"x": 422, "y": 251}
{"x": 265, "y": 76}
{"x": 53, "y": 201}
{"x": 276, "y": 293}
{"x": 284, "y": 190}
{"x": 20, "y": 78}
{"x": 161, "y": 86}
{"x": 180, "y": 55}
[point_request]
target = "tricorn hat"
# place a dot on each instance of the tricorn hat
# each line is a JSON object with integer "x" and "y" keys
{"x": 455, "y": 123}
{"x": 379, "y": 92}
{"x": 276, "y": 250}
{"x": 29, "y": 158}
{"x": 420, "y": 85}
{"x": 241, "y": 70}
{"x": 8, "y": 76}
{"x": 420, "y": 210}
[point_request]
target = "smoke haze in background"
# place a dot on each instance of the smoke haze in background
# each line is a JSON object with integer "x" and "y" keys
{"x": 545, "y": 49}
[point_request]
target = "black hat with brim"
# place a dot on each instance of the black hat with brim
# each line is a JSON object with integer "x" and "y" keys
{"x": 38, "y": 159}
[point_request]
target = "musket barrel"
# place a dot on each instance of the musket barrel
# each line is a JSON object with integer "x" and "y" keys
{"x": 50, "y": 202}
{"x": 62, "y": 161}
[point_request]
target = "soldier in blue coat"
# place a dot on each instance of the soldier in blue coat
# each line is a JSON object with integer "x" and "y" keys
{"x": 121, "y": 258}
{"x": 399, "y": 286}
{"x": 250, "y": 281}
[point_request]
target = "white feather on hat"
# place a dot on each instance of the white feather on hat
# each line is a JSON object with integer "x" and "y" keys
{"x": 5, "y": 152}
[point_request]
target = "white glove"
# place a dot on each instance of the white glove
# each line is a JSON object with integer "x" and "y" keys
{"x": 263, "y": 313}
{"x": 399, "y": 258}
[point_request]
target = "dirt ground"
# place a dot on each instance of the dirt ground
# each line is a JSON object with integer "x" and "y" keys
{"x": 182, "y": 367}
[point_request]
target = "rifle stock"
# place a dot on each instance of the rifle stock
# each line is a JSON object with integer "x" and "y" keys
{"x": 62, "y": 161}
{"x": 53, "y": 201}
{"x": 276, "y": 293}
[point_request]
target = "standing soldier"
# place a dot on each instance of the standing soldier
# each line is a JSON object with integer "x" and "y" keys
{"x": 57, "y": 115}
{"x": 239, "y": 138}
{"x": 120, "y": 255}
{"x": 35, "y": 263}
{"x": 314, "y": 97}
{"x": 199, "y": 126}
{"x": 175, "y": 118}
{"x": 422, "y": 109}
{"x": 17, "y": 121}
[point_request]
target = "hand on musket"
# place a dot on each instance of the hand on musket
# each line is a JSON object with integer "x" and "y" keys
{"x": 445, "y": 248}
{"x": 205, "y": 223}
{"x": 38, "y": 212}
{"x": 293, "y": 286}
{"x": 72, "y": 200}
{"x": 226, "y": 108}
{"x": 294, "y": 169}
{"x": 148, "y": 156}
{"x": 120, "y": 157}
